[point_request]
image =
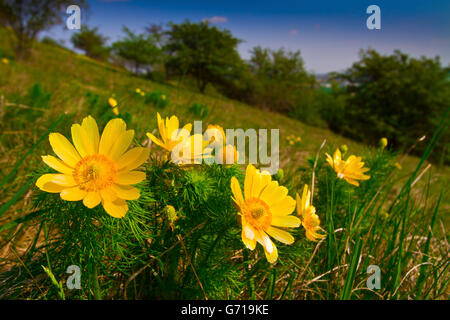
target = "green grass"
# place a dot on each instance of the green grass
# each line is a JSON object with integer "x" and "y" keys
{"x": 397, "y": 219}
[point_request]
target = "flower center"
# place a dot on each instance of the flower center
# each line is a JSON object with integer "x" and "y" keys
{"x": 257, "y": 213}
{"x": 94, "y": 173}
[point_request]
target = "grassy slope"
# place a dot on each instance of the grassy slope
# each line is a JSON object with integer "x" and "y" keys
{"x": 68, "y": 76}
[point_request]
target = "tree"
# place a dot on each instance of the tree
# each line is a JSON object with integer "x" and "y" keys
{"x": 394, "y": 96}
{"x": 202, "y": 51}
{"x": 279, "y": 78}
{"x": 138, "y": 50}
{"x": 91, "y": 42}
{"x": 27, "y": 18}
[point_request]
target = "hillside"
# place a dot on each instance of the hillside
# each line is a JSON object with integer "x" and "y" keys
{"x": 69, "y": 77}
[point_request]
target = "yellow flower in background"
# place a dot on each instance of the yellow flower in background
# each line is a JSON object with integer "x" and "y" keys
{"x": 310, "y": 220}
{"x": 116, "y": 111}
{"x": 344, "y": 148}
{"x": 383, "y": 142}
{"x": 163, "y": 97}
{"x": 142, "y": 93}
{"x": 98, "y": 169}
{"x": 216, "y": 135}
{"x": 169, "y": 132}
{"x": 5, "y": 61}
{"x": 350, "y": 170}
{"x": 185, "y": 152}
{"x": 265, "y": 210}
{"x": 398, "y": 166}
{"x": 138, "y": 90}
{"x": 112, "y": 102}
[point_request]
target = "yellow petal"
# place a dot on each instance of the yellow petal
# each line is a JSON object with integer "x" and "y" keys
{"x": 285, "y": 221}
{"x": 236, "y": 190}
{"x": 270, "y": 248}
{"x": 126, "y": 192}
{"x": 64, "y": 149}
{"x": 156, "y": 140}
{"x": 133, "y": 158}
{"x": 272, "y": 256}
{"x": 121, "y": 145}
{"x": 93, "y": 137}
{"x": 45, "y": 184}
{"x": 248, "y": 235}
{"x": 92, "y": 199}
{"x": 273, "y": 193}
{"x": 131, "y": 177}
{"x": 117, "y": 208}
{"x": 64, "y": 180}
{"x": 57, "y": 164}
{"x": 188, "y": 127}
{"x": 113, "y": 130}
{"x": 108, "y": 194}
{"x": 280, "y": 235}
{"x": 305, "y": 198}
{"x": 284, "y": 207}
{"x": 73, "y": 194}
{"x": 79, "y": 138}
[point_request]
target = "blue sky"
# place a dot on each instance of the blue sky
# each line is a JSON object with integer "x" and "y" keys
{"x": 328, "y": 33}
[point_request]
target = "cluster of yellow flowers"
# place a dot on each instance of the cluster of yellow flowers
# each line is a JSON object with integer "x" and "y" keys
{"x": 140, "y": 92}
{"x": 113, "y": 104}
{"x": 5, "y": 61}
{"x": 266, "y": 209}
{"x": 293, "y": 139}
{"x": 172, "y": 136}
{"x": 102, "y": 169}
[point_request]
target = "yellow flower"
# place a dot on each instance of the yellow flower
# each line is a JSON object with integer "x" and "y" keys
{"x": 383, "y": 142}
{"x": 98, "y": 169}
{"x": 227, "y": 155}
{"x": 350, "y": 169}
{"x": 185, "y": 152}
{"x": 138, "y": 90}
{"x": 142, "y": 93}
{"x": 5, "y": 61}
{"x": 265, "y": 210}
{"x": 216, "y": 135}
{"x": 112, "y": 102}
{"x": 344, "y": 148}
{"x": 310, "y": 220}
{"x": 398, "y": 166}
{"x": 169, "y": 132}
{"x": 163, "y": 97}
{"x": 116, "y": 111}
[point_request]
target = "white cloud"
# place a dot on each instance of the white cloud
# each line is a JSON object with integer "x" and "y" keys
{"x": 216, "y": 19}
